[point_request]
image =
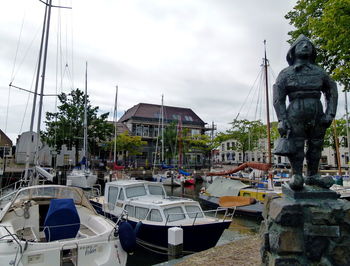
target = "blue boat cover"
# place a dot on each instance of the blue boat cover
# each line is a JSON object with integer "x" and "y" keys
{"x": 165, "y": 166}
{"x": 184, "y": 172}
{"x": 62, "y": 220}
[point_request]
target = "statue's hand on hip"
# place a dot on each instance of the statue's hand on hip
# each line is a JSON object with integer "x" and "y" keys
{"x": 283, "y": 127}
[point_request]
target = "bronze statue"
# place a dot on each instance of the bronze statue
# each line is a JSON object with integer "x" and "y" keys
{"x": 304, "y": 119}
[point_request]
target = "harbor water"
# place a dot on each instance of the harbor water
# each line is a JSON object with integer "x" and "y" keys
{"x": 241, "y": 226}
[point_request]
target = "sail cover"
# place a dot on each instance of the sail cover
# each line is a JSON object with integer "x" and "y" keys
{"x": 225, "y": 187}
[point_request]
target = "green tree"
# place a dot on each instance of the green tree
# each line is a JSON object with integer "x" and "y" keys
{"x": 170, "y": 141}
{"x": 66, "y": 125}
{"x": 247, "y": 134}
{"x": 203, "y": 144}
{"x": 128, "y": 145}
{"x": 327, "y": 24}
{"x": 330, "y": 140}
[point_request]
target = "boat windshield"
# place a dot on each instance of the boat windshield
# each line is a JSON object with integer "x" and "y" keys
{"x": 174, "y": 214}
{"x": 56, "y": 192}
{"x": 135, "y": 191}
{"x": 156, "y": 190}
{"x": 50, "y": 192}
{"x": 194, "y": 211}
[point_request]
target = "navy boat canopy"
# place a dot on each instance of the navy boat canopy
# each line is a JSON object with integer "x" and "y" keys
{"x": 62, "y": 220}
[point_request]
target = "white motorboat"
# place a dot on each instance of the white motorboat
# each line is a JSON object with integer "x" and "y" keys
{"x": 56, "y": 225}
{"x": 152, "y": 213}
{"x": 81, "y": 178}
{"x": 168, "y": 178}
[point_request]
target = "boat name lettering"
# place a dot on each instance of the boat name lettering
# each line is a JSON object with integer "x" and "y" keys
{"x": 90, "y": 250}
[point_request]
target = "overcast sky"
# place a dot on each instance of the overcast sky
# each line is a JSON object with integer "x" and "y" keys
{"x": 201, "y": 54}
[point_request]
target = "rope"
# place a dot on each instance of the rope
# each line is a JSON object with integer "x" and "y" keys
{"x": 245, "y": 100}
{"x": 149, "y": 247}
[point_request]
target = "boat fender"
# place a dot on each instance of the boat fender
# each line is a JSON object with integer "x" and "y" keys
{"x": 137, "y": 228}
{"x": 127, "y": 237}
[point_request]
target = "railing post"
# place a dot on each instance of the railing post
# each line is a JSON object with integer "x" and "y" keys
{"x": 194, "y": 220}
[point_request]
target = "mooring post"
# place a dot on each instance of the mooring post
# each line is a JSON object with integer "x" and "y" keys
{"x": 175, "y": 242}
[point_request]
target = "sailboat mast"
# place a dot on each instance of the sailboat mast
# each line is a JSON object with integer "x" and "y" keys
{"x": 29, "y": 146}
{"x": 42, "y": 82}
{"x": 162, "y": 114}
{"x": 115, "y": 117}
{"x": 85, "y": 117}
{"x": 180, "y": 142}
{"x": 267, "y": 108}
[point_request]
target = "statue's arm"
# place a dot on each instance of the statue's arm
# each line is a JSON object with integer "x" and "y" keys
{"x": 279, "y": 98}
{"x": 331, "y": 96}
{"x": 279, "y": 103}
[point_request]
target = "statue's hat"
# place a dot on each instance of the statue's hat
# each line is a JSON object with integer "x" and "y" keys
{"x": 291, "y": 53}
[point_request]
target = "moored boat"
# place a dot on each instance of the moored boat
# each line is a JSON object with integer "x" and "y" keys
{"x": 56, "y": 225}
{"x": 152, "y": 212}
{"x": 223, "y": 186}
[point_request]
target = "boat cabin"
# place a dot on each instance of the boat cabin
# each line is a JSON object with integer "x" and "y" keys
{"x": 147, "y": 202}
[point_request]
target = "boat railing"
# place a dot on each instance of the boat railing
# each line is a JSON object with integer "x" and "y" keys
{"x": 13, "y": 186}
{"x": 93, "y": 192}
{"x": 17, "y": 242}
{"x": 227, "y": 214}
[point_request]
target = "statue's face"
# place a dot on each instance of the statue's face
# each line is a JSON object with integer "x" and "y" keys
{"x": 303, "y": 49}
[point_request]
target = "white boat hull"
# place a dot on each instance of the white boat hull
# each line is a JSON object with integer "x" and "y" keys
{"x": 26, "y": 239}
{"x": 81, "y": 179}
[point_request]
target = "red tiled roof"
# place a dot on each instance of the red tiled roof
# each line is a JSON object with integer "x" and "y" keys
{"x": 4, "y": 139}
{"x": 152, "y": 111}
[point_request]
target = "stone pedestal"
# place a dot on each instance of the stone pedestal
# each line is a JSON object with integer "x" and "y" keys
{"x": 307, "y": 227}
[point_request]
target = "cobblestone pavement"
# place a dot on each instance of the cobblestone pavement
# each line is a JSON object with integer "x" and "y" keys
{"x": 241, "y": 252}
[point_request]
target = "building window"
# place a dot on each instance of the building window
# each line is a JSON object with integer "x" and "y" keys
{"x": 145, "y": 131}
{"x": 228, "y": 145}
{"x": 223, "y": 147}
{"x": 138, "y": 130}
{"x": 156, "y": 131}
{"x": 176, "y": 117}
{"x": 151, "y": 131}
{"x": 188, "y": 118}
{"x": 195, "y": 132}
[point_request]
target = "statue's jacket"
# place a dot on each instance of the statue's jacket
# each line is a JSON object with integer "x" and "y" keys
{"x": 304, "y": 84}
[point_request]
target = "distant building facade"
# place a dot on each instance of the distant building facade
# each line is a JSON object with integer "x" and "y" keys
{"x": 144, "y": 120}
{"x": 228, "y": 154}
{"x": 5, "y": 145}
{"x": 27, "y": 141}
